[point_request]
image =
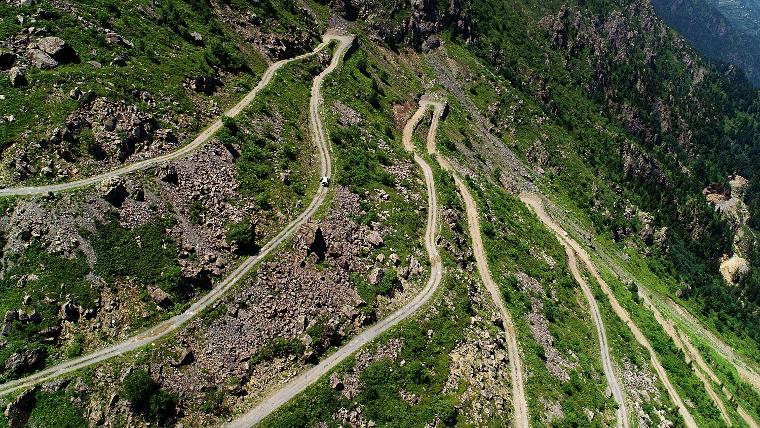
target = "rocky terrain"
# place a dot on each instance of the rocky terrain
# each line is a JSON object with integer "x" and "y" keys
{"x": 644, "y": 152}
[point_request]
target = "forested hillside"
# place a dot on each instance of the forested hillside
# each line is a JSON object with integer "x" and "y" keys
{"x": 723, "y": 31}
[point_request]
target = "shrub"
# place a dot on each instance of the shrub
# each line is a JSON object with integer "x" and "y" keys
{"x": 242, "y": 235}
{"x": 146, "y": 397}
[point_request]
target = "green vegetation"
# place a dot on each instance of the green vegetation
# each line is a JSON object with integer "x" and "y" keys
{"x": 49, "y": 281}
{"x": 366, "y": 153}
{"x": 146, "y": 397}
{"x": 146, "y": 254}
{"x": 510, "y": 234}
{"x": 164, "y": 52}
{"x": 243, "y": 236}
{"x": 278, "y": 347}
{"x": 275, "y": 167}
{"x": 55, "y": 410}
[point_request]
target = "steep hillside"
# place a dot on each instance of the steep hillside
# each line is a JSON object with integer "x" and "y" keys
{"x": 374, "y": 213}
{"x": 723, "y": 31}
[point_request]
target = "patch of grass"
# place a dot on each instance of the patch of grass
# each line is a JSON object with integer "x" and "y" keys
{"x": 278, "y": 347}
{"x": 55, "y": 410}
{"x": 146, "y": 254}
{"x": 48, "y": 280}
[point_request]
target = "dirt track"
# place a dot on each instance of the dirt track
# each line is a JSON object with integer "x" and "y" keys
{"x": 199, "y": 141}
{"x": 164, "y": 328}
{"x": 521, "y": 416}
{"x": 294, "y": 387}
{"x": 535, "y": 202}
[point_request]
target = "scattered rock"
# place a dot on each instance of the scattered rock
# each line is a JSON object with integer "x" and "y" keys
{"x": 115, "y": 39}
{"x": 336, "y": 383}
{"x": 376, "y": 276}
{"x": 375, "y": 239}
{"x": 113, "y": 190}
{"x": 109, "y": 123}
{"x": 55, "y": 385}
{"x": 197, "y": 38}
{"x": 168, "y": 174}
{"x": 187, "y": 357}
{"x": 119, "y": 60}
{"x": 346, "y": 115}
{"x": 70, "y": 312}
{"x": 51, "y": 333}
{"x": 205, "y": 84}
{"x": 75, "y": 93}
{"x": 316, "y": 244}
{"x": 24, "y": 361}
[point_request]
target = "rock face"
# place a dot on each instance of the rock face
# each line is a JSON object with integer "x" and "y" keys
{"x": 19, "y": 409}
{"x": 24, "y": 361}
{"x": 419, "y": 30}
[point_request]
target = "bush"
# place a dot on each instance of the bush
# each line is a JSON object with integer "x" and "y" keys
{"x": 242, "y": 235}
{"x": 138, "y": 386}
{"x": 146, "y": 397}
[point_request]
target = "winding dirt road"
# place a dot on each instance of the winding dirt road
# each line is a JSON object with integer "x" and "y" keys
{"x": 300, "y": 383}
{"x": 199, "y": 141}
{"x": 164, "y": 328}
{"x": 535, "y": 202}
{"x": 604, "y": 350}
{"x": 519, "y": 401}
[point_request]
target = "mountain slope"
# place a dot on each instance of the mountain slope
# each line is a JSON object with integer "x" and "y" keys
{"x": 719, "y": 30}
{"x": 644, "y": 154}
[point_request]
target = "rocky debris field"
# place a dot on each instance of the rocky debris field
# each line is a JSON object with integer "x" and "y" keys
{"x": 304, "y": 300}
{"x": 478, "y": 365}
{"x": 641, "y": 386}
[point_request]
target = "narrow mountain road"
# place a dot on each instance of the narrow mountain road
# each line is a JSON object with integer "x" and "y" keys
{"x": 519, "y": 401}
{"x": 297, "y": 385}
{"x": 596, "y": 316}
{"x": 164, "y": 328}
{"x": 534, "y": 201}
{"x": 746, "y": 372}
{"x": 700, "y": 368}
{"x": 199, "y": 141}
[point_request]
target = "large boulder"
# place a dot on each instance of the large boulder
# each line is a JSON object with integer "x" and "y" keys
{"x": 113, "y": 191}
{"x": 18, "y": 410}
{"x": 41, "y": 59}
{"x": 24, "y": 361}
{"x": 17, "y": 76}
{"x": 58, "y": 49}
{"x": 160, "y": 297}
